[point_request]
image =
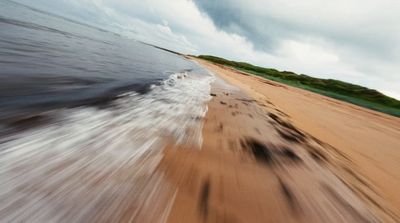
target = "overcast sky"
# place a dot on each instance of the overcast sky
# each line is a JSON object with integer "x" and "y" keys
{"x": 351, "y": 40}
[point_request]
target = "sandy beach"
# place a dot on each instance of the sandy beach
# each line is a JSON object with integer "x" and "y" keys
{"x": 274, "y": 153}
{"x": 199, "y": 111}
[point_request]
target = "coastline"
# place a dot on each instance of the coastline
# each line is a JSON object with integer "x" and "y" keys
{"x": 260, "y": 162}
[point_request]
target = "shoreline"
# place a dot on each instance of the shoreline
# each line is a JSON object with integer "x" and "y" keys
{"x": 257, "y": 165}
{"x": 370, "y": 139}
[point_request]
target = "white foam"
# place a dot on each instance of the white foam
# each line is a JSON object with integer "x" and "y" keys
{"x": 94, "y": 164}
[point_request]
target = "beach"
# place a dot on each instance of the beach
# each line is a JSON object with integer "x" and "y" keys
{"x": 274, "y": 153}
{"x": 100, "y": 123}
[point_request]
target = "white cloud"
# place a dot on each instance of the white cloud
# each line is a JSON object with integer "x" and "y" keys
{"x": 350, "y": 40}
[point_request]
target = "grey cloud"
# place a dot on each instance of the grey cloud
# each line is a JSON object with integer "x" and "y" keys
{"x": 230, "y": 17}
{"x": 265, "y": 30}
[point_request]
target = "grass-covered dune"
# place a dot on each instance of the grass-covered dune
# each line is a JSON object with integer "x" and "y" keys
{"x": 352, "y": 93}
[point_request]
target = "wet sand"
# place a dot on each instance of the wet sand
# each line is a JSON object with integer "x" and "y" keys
{"x": 272, "y": 153}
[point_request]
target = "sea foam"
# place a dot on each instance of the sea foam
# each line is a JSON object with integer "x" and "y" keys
{"x": 96, "y": 164}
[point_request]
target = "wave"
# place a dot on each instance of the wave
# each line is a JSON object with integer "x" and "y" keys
{"x": 73, "y": 165}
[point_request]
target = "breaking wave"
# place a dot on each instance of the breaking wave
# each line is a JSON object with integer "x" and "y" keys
{"x": 90, "y": 164}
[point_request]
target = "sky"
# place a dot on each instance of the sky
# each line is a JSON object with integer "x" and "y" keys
{"x": 357, "y": 41}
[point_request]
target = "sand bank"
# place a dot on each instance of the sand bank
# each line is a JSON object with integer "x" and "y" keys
{"x": 272, "y": 153}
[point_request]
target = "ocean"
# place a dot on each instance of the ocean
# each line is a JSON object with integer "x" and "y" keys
{"x": 79, "y": 106}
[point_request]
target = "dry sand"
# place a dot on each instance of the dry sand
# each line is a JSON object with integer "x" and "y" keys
{"x": 273, "y": 153}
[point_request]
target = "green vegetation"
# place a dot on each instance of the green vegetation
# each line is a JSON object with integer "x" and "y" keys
{"x": 352, "y": 93}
